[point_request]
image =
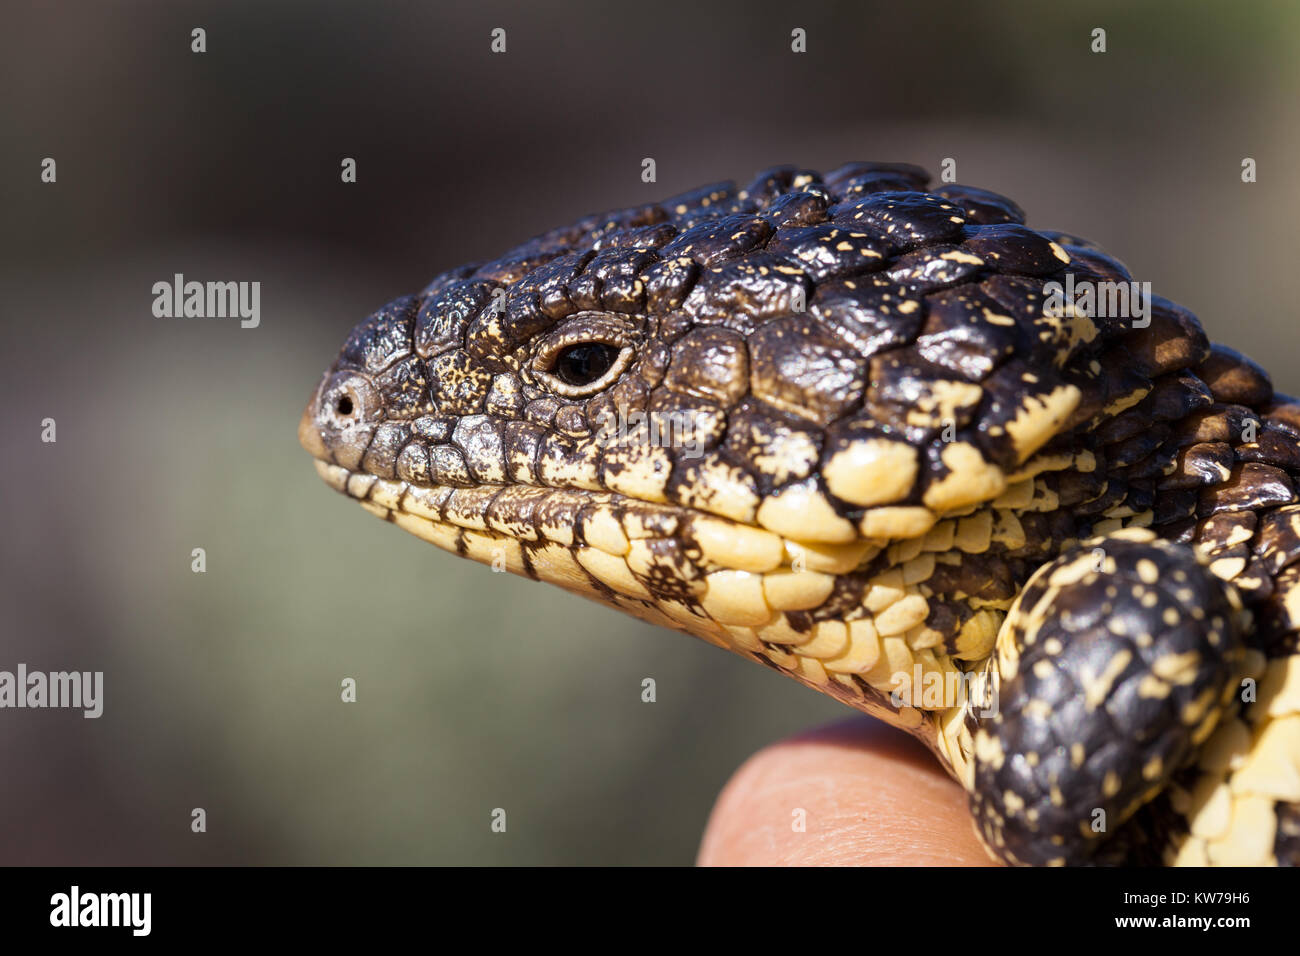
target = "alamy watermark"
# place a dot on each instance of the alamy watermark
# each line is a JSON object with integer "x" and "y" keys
{"x": 75, "y": 690}
{"x": 1119, "y": 300}
{"x": 127, "y": 910}
{"x": 179, "y": 299}
{"x": 929, "y": 689}
{"x": 679, "y": 430}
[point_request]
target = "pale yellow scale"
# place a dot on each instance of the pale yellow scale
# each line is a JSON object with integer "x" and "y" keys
{"x": 1248, "y": 765}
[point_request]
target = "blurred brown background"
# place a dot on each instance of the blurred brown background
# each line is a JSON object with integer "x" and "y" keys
{"x": 476, "y": 690}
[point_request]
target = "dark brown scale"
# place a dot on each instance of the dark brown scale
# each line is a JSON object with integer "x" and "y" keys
{"x": 1273, "y": 446}
{"x": 405, "y": 387}
{"x": 1251, "y": 487}
{"x": 668, "y": 283}
{"x": 1120, "y": 428}
{"x": 905, "y": 396}
{"x": 1045, "y": 341}
{"x": 1011, "y": 247}
{"x": 959, "y": 336}
{"x": 620, "y": 220}
{"x": 870, "y": 316}
{"x": 741, "y": 293}
{"x": 1092, "y": 264}
{"x": 758, "y": 432}
{"x": 800, "y": 366}
{"x": 1234, "y": 378}
{"x": 1139, "y": 446}
{"x": 1180, "y": 531}
{"x": 385, "y": 338}
{"x": 1283, "y": 412}
{"x": 1175, "y": 397}
{"x": 1141, "y": 495}
{"x": 988, "y": 577}
{"x": 624, "y": 294}
{"x": 1205, "y": 463}
{"x": 1156, "y": 465}
{"x": 796, "y": 209}
{"x": 542, "y": 411}
{"x": 1226, "y": 529}
{"x": 904, "y": 220}
{"x": 715, "y": 241}
{"x": 853, "y": 179}
{"x": 1218, "y": 423}
{"x": 584, "y": 292}
{"x": 829, "y": 251}
{"x": 549, "y": 285}
{"x": 1277, "y": 542}
{"x": 615, "y": 262}
{"x": 1114, "y": 382}
{"x": 653, "y": 236}
{"x": 1069, "y": 239}
{"x": 1004, "y": 395}
{"x": 1255, "y": 585}
{"x": 946, "y": 617}
{"x": 1173, "y": 506}
{"x": 1076, "y": 487}
{"x": 933, "y": 268}
{"x": 773, "y": 183}
{"x": 441, "y": 282}
{"x": 877, "y": 182}
{"x": 510, "y": 270}
{"x": 710, "y": 200}
{"x": 1174, "y": 340}
{"x": 711, "y": 363}
{"x": 845, "y": 601}
{"x": 1116, "y": 492}
{"x": 980, "y": 206}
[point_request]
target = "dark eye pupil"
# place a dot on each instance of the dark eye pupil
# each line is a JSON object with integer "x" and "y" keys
{"x": 345, "y": 406}
{"x": 584, "y": 364}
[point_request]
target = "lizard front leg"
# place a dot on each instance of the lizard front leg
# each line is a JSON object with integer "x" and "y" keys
{"x": 1115, "y": 664}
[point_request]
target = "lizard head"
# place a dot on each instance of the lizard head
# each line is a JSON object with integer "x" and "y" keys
{"x": 834, "y": 425}
{"x": 775, "y": 417}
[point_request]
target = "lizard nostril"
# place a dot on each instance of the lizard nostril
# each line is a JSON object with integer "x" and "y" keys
{"x": 349, "y": 400}
{"x": 341, "y": 418}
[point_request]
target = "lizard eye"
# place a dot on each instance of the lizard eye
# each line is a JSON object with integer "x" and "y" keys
{"x": 583, "y": 368}
{"x": 585, "y": 354}
{"x": 585, "y": 364}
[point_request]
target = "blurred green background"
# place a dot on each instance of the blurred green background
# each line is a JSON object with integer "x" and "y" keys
{"x": 476, "y": 690}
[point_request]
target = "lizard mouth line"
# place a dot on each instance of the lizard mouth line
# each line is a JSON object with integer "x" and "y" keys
{"x": 458, "y": 519}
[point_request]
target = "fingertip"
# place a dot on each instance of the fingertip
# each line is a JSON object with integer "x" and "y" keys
{"x": 853, "y": 793}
